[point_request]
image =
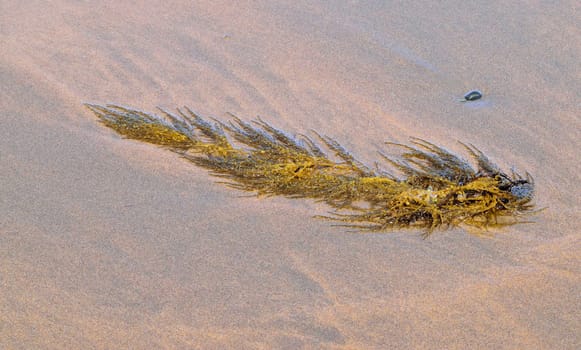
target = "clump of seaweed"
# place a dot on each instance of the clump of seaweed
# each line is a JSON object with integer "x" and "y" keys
{"x": 437, "y": 189}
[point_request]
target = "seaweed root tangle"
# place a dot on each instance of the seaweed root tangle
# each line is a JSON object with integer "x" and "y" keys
{"x": 436, "y": 189}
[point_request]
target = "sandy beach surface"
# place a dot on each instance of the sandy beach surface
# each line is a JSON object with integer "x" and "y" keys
{"x": 108, "y": 243}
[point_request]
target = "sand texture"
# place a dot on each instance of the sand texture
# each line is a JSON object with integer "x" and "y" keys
{"x": 108, "y": 243}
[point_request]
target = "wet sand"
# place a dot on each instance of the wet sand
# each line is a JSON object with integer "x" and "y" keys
{"x": 110, "y": 243}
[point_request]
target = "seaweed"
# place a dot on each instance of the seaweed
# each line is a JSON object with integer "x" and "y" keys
{"x": 435, "y": 190}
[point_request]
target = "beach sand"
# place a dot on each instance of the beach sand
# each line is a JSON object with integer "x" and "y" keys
{"x": 108, "y": 243}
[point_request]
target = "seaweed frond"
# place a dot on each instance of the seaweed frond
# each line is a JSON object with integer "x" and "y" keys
{"x": 437, "y": 190}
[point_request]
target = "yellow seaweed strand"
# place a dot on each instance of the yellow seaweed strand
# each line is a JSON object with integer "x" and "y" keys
{"x": 437, "y": 190}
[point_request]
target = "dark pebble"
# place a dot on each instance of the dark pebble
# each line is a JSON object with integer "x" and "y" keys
{"x": 473, "y": 95}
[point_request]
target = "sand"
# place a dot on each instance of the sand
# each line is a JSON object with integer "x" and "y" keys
{"x": 108, "y": 243}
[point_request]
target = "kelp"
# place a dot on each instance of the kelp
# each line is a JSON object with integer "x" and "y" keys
{"x": 435, "y": 189}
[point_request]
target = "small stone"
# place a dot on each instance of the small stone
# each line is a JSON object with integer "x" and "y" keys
{"x": 472, "y": 96}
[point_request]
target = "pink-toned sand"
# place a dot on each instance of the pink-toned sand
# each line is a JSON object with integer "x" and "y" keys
{"x": 108, "y": 243}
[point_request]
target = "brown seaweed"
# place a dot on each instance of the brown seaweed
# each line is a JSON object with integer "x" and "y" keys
{"x": 436, "y": 189}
